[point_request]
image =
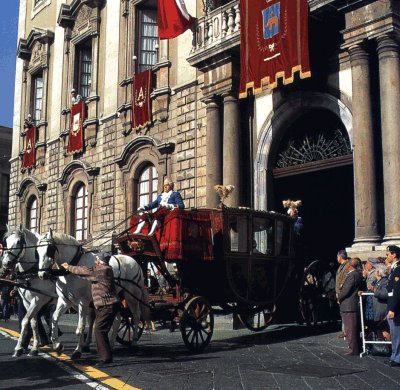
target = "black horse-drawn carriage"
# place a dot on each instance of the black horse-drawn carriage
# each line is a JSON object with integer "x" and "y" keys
{"x": 229, "y": 260}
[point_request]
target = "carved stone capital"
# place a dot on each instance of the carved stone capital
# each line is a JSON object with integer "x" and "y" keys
{"x": 358, "y": 54}
{"x": 387, "y": 46}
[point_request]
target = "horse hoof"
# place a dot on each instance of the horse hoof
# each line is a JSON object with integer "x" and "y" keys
{"x": 18, "y": 352}
{"x": 86, "y": 349}
{"x": 76, "y": 355}
{"x": 33, "y": 352}
{"x": 59, "y": 349}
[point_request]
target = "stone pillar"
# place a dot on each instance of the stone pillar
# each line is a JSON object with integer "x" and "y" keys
{"x": 389, "y": 76}
{"x": 366, "y": 226}
{"x": 213, "y": 151}
{"x": 232, "y": 170}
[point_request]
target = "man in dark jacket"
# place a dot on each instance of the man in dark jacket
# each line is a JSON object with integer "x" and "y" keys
{"x": 105, "y": 301}
{"x": 393, "y": 287}
{"x": 348, "y": 300}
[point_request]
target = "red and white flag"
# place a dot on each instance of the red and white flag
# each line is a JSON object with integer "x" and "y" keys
{"x": 173, "y": 18}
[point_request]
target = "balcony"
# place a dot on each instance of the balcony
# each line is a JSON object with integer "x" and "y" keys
{"x": 218, "y": 31}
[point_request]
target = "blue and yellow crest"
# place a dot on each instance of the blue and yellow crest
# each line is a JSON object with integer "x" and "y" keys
{"x": 271, "y": 20}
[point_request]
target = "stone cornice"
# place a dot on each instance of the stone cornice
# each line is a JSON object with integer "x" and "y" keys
{"x": 25, "y": 45}
{"x": 26, "y": 182}
{"x": 77, "y": 164}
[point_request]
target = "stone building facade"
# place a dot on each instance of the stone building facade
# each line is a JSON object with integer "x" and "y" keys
{"x": 5, "y": 154}
{"x": 330, "y": 140}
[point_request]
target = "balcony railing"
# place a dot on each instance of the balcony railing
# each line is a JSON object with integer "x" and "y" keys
{"x": 218, "y": 29}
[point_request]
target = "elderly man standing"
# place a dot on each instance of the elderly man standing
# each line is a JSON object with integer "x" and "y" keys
{"x": 348, "y": 300}
{"x": 340, "y": 276}
{"x": 393, "y": 287}
{"x": 105, "y": 301}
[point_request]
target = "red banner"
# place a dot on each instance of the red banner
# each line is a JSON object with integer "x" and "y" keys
{"x": 273, "y": 43}
{"x": 29, "y": 159}
{"x": 75, "y": 139}
{"x": 141, "y": 104}
{"x": 173, "y": 18}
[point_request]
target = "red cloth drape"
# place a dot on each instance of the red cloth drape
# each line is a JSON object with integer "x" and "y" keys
{"x": 141, "y": 103}
{"x": 75, "y": 139}
{"x": 29, "y": 159}
{"x": 173, "y": 18}
{"x": 273, "y": 43}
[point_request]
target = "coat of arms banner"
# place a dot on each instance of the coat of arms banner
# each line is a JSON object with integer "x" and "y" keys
{"x": 29, "y": 159}
{"x": 273, "y": 43}
{"x": 75, "y": 139}
{"x": 141, "y": 109}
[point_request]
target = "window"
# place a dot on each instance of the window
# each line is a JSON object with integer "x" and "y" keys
{"x": 238, "y": 233}
{"x": 148, "y": 184}
{"x": 4, "y": 190}
{"x": 263, "y": 236}
{"x": 148, "y": 38}
{"x": 81, "y": 213}
{"x": 37, "y": 97}
{"x": 84, "y": 69}
{"x": 32, "y": 214}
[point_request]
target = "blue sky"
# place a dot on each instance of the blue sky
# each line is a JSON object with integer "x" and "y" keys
{"x": 8, "y": 50}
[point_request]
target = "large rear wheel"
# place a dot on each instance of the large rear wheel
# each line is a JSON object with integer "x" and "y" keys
{"x": 197, "y": 324}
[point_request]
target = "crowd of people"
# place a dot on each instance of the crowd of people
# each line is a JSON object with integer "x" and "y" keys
{"x": 379, "y": 280}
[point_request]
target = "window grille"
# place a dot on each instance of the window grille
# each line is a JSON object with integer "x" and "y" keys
{"x": 148, "y": 184}
{"x": 32, "y": 214}
{"x": 81, "y": 213}
{"x": 148, "y": 38}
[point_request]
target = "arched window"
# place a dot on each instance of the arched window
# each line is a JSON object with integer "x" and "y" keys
{"x": 148, "y": 183}
{"x": 32, "y": 214}
{"x": 80, "y": 221}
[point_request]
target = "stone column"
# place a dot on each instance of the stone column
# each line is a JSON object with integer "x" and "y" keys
{"x": 232, "y": 171}
{"x": 389, "y": 76}
{"x": 213, "y": 151}
{"x": 366, "y": 226}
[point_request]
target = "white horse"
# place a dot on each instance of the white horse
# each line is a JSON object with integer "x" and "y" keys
{"x": 59, "y": 248}
{"x": 20, "y": 254}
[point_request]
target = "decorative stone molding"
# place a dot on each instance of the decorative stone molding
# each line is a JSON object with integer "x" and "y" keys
{"x": 74, "y": 165}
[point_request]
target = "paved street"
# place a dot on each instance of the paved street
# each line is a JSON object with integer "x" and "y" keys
{"x": 283, "y": 357}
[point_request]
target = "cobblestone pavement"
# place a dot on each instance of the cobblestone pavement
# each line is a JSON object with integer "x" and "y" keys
{"x": 283, "y": 357}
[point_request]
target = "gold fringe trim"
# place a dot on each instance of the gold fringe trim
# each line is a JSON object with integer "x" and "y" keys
{"x": 266, "y": 81}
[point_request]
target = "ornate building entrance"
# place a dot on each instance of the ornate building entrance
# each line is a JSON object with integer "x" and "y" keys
{"x": 314, "y": 163}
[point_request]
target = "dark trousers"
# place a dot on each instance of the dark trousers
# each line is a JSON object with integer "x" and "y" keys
{"x": 350, "y": 322}
{"x": 394, "y": 326}
{"x": 105, "y": 316}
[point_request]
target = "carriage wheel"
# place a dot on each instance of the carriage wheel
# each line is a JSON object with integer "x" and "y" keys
{"x": 126, "y": 330}
{"x": 258, "y": 318}
{"x": 197, "y": 324}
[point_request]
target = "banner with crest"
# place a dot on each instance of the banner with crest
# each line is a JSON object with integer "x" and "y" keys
{"x": 75, "y": 139}
{"x": 141, "y": 110}
{"x": 273, "y": 43}
{"x": 29, "y": 159}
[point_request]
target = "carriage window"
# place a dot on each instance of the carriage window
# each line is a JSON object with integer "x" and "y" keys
{"x": 282, "y": 238}
{"x": 148, "y": 183}
{"x": 32, "y": 214}
{"x": 263, "y": 236}
{"x": 238, "y": 227}
{"x": 81, "y": 213}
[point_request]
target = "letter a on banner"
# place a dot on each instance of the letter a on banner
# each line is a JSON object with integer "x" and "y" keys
{"x": 273, "y": 43}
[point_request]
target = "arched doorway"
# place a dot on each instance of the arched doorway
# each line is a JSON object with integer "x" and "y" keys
{"x": 313, "y": 162}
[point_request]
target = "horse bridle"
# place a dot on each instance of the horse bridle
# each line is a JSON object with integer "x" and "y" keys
{"x": 21, "y": 253}
{"x": 51, "y": 251}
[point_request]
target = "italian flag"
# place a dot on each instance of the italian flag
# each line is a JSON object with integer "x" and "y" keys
{"x": 173, "y": 18}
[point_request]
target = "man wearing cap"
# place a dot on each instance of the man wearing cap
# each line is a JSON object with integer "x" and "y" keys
{"x": 75, "y": 98}
{"x": 105, "y": 300}
{"x": 169, "y": 199}
{"x": 393, "y": 288}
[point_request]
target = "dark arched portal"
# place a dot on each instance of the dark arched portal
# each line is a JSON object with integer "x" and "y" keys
{"x": 314, "y": 163}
